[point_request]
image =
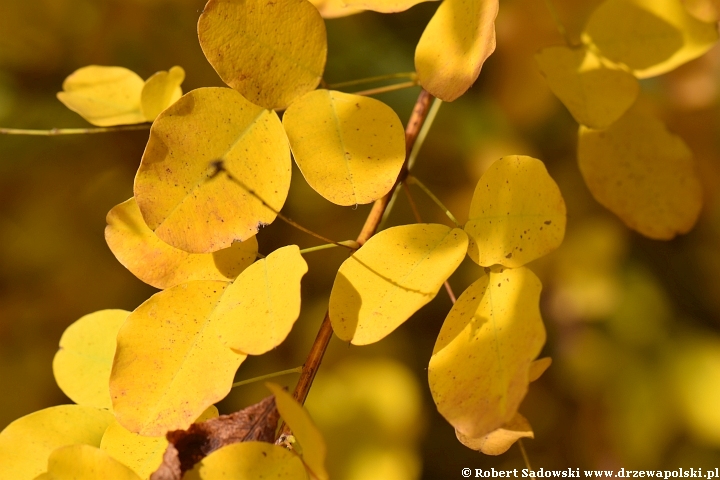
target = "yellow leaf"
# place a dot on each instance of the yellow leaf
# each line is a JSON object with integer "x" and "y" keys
{"x": 160, "y": 91}
{"x": 643, "y": 174}
{"x": 479, "y": 369}
{"x": 454, "y": 46}
{"x": 26, "y": 443}
{"x": 142, "y": 454}
{"x": 270, "y": 52}
{"x": 334, "y": 8}
{"x": 391, "y": 277}
{"x": 596, "y": 93}
{"x": 83, "y": 363}
{"x": 703, "y": 10}
{"x": 259, "y": 309}
{"x": 181, "y": 195}
{"x": 517, "y": 213}
{"x": 170, "y": 364}
{"x": 304, "y": 430}
{"x": 383, "y": 6}
{"x": 161, "y": 265}
{"x": 249, "y": 461}
{"x": 104, "y": 96}
{"x": 651, "y": 37}
{"x": 350, "y": 148}
{"x": 499, "y": 441}
{"x": 538, "y": 367}
{"x": 85, "y": 462}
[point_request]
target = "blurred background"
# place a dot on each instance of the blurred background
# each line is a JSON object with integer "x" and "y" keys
{"x": 633, "y": 324}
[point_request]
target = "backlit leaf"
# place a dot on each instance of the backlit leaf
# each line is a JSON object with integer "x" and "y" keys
{"x": 499, "y": 441}
{"x": 83, "y": 363}
{"x": 595, "y": 93}
{"x": 249, "y": 461}
{"x": 26, "y": 443}
{"x": 479, "y": 369}
{"x": 170, "y": 364}
{"x": 334, "y": 8}
{"x": 517, "y": 213}
{"x": 161, "y": 265}
{"x": 85, "y": 462}
{"x": 350, "y": 148}
{"x": 104, "y": 96}
{"x": 383, "y": 6}
{"x": 454, "y": 46}
{"x": 643, "y": 174}
{"x": 304, "y": 430}
{"x": 181, "y": 195}
{"x": 160, "y": 91}
{"x": 270, "y": 52}
{"x": 259, "y": 309}
{"x": 391, "y": 277}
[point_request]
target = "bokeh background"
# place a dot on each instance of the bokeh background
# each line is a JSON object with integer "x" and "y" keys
{"x": 633, "y": 324}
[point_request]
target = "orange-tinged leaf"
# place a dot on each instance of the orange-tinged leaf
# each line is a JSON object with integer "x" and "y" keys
{"x": 391, "y": 277}
{"x": 160, "y": 91}
{"x": 26, "y": 443}
{"x": 643, "y": 174}
{"x": 479, "y": 369}
{"x": 161, "y": 265}
{"x": 334, "y": 8}
{"x": 104, "y": 96}
{"x": 271, "y": 52}
{"x": 454, "y": 46}
{"x": 383, "y": 6}
{"x": 350, "y": 148}
{"x": 182, "y": 196}
{"x": 596, "y": 93}
{"x": 166, "y": 345}
{"x": 517, "y": 213}
{"x": 85, "y": 462}
{"x": 249, "y": 461}
{"x": 304, "y": 430}
{"x": 500, "y": 440}
{"x": 260, "y": 307}
{"x": 538, "y": 367}
{"x": 82, "y": 364}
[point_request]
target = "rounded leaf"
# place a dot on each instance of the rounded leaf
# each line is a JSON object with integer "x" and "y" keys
{"x": 26, "y": 443}
{"x": 170, "y": 364}
{"x": 158, "y": 264}
{"x": 391, "y": 277}
{"x": 270, "y": 52}
{"x": 183, "y": 197}
{"x": 249, "y": 461}
{"x": 350, "y": 148}
{"x": 643, "y": 174}
{"x": 454, "y": 46}
{"x": 104, "y": 96}
{"x": 595, "y": 93}
{"x": 517, "y": 213}
{"x": 259, "y": 309}
{"x": 479, "y": 368}
{"x": 85, "y": 462}
{"x": 499, "y": 441}
{"x": 160, "y": 91}
{"x": 82, "y": 365}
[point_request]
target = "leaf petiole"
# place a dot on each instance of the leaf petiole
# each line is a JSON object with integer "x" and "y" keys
{"x": 414, "y": 180}
{"x": 388, "y": 88}
{"x": 346, "y": 243}
{"x": 72, "y": 131}
{"x": 379, "y": 78}
{"x": 269, "y": 375}
{"x": 560, "y": 27}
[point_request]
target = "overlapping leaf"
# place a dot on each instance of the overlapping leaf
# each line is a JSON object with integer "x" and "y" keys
{"x": 382, "y": 6}
{"x": 161, "y": 265}
{"x": 270, "y": 52}
{"x": 479, "y": 370}
{"x": 394, "y": 274}
{"x": 26, "y": 443}
{"x": 261, "y": 306}
{"x": 182, "y": 196}
{"x": 517, "y": 213}
{"x": 350, "y": 148}
{"x": 249, "y": 460}
{"x": 454, "y": 46}
{"x": 500, "y": 440}
{"x": 334, "y": 8}
{"x": 85, "y": 462}
{"x": 83, "y": 363}
{"x": 643, "y": 174}
{"x": 596, "y": 93}
{"x": 160, "y": 91}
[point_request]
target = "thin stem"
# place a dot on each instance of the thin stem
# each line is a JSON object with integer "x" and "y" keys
{"x": 525, "y": 456}
{"x": 423, "y": 132}
{"x": 346, "y": 243}
{"x": 556, "y": 19}
{"x": 387, "y": 88}
{"x": 378, "y": 78}
{"x": 413, "y": 180}
{"x": 265, "y": 377}
{"x": 72, "y": 131}
{"x": 389, "y": 208}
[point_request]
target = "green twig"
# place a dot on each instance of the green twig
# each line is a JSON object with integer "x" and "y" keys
{"x": 423, "y": 132}
{"x": 378, "y": 78}
{"x": 265, "y": 377}
{"x": 347, "y": 243}
{"x": 72, "y": 131}
{"x": 413, "y": 180}
{"x": 388, "y": 88}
